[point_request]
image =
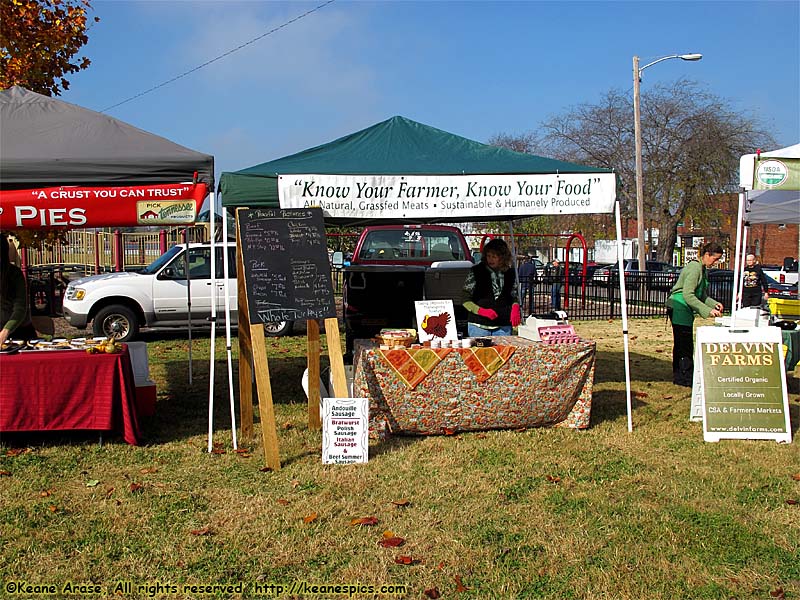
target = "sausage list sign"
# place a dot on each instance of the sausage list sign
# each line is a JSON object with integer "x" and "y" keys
{"x": 743, "y": 384}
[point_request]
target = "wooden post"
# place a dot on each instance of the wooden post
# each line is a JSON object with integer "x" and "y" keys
{"x": 245, "y": 351}
{"x": 336, "y": 358}
{"x": 312, "y": 361}
{"x": 266, "y": 411}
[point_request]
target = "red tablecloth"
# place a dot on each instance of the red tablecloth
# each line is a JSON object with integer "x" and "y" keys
{"x": 56, "y": 390}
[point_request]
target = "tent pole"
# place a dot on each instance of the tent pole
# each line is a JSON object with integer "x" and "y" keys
{"x": 624, "y": 306}
{"x": 740, "y": 278}
{"x": 226, "y": 267}
{"x": 737, "y": 263}
{"x": 211, "y": 372}
{"x": 188, "y": 295}
{"x": 514, "y": 254}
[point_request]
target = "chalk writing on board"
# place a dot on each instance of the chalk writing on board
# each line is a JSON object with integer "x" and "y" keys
{"x": 287, "y": 273}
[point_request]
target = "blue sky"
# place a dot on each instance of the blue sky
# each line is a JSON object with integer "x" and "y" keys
{"x": 472, "y": 68}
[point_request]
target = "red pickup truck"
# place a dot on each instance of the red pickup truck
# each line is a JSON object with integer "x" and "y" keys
{"x": 395, "y": 265}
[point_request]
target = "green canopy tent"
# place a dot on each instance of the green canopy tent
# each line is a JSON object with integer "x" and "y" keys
{"x": 402, "y": 169}
{"x": 397, "y": 146}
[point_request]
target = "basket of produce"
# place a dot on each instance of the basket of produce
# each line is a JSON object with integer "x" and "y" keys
{"x": 396, "y": 337}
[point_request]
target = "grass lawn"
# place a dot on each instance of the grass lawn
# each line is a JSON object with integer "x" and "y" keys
{"x": 541, "y": 513}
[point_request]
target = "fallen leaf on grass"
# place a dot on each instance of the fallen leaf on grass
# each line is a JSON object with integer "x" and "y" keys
{"x": 480, "y": 436}
{"x": 640, "y": 394}
{"x": 364, "y": 521}
{"x": 295, "y": 483}
{"x": 796, "y": 476}
{"x": 218, "y": 451}
{"x": 448, "y": 431}
{"x": 659, "y": 349}
{"x": 391, "y": 542}
{"x": 792, "y": 502}
{"x": 4, "y": 473}
{"x": 288, "y": 426}
{"x": 53, "y": 508}
{"x": 109, "y": 492}
{"x": 282, "y": 501}
{"x": 242, "y": 451}
{"x": 668, "y": 397}
{"x": 778, "y": 593}
{"x": 244, "y": 454}
{"x": 45, "y": 493}
{"x": 202, "y": 531}
{"x": 433, "y": 593}
{"x": 266, "y": 469}
{"x": 460, "y": 587}
{"x": 310, "y": 518}
{"x": 406, "y": 560}
{"x": 401, "y": 502}
{"x": 135, "y": 487}
{"x": 17, "y": 451}
{"x": 553, "y": 478}
{"x": 148, "y": 470}
{"x": 93, "y": 483}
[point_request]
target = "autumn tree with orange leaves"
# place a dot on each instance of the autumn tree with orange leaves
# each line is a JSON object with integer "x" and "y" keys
{"x": 39, "y": 41}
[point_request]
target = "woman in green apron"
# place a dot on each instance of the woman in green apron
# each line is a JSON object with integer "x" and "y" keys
{"x": 687, "y": 298}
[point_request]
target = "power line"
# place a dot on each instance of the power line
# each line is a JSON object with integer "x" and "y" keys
{"x": 220, "y": 57}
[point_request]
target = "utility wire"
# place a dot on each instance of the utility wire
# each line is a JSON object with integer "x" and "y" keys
{"x": 220, "y": 57}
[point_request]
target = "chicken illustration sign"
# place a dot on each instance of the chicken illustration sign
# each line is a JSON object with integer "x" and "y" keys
{"x": 435, "y": 320}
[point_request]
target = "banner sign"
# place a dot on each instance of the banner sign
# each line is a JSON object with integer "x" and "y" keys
{"x": 345, "y": 429}
{"x": 450, "y": 197}
{"x": 776, "y": 174}
{"x": 119, "y": 206}
{"x": 743, "y": 384}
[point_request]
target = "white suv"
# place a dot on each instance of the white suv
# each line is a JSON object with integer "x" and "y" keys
{"x": 120, "y": 304}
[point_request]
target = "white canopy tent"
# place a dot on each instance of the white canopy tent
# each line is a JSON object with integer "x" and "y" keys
{"x": 770, "y": 193}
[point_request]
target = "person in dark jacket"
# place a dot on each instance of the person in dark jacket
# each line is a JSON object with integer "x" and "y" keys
{"x": 555, "y": 275}
{"x": 490, "y": 293}
{"x": 527, "y": 277}
{"x": 753, "y": 282}
{"x": 688, "y": 298}
{"x": 15, "y": 314}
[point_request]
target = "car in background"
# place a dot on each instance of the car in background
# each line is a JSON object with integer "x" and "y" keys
{"x": 119, "y": 304}
{"x": 659, "y": 276}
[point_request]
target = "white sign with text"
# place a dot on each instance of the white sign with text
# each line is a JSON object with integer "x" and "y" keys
{"x": 436, "y": 320}
{"x": 448, "y": 196}
{"x": 345, "y": 430}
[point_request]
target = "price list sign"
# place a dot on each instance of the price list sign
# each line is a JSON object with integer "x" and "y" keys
{"x": 743, "y": 384}
{"x": 287, "y": 273}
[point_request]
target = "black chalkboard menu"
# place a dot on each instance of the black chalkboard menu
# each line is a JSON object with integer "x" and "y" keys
{"x": 286, "y": 268}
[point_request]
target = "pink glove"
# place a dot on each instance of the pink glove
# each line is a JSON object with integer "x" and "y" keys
{"x": 516, "y": 317}
{"x": 488, "y": 313}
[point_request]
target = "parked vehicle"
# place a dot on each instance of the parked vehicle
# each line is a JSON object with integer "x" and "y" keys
{"x": 659, "y": 275}
{"x": 395, "y": 265}
{"x": 120, "y": 304}
{"x": 786, "y": 273}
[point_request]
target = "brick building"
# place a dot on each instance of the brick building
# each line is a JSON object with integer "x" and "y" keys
{"x": 771, "y": 243}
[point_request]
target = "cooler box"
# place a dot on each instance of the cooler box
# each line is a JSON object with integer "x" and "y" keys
{"x": 785, "y": 309}
{"x": 146, "y": 398}
{"x": 145, "y": 387}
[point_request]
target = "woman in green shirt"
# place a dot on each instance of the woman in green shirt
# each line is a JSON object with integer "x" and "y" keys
{"x": 687, "y": 298}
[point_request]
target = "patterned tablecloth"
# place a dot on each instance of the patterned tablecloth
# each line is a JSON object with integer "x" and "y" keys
{"x": 539, "y": 385}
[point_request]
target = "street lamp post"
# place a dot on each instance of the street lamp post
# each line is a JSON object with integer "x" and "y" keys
{"x": 637, "y": 132}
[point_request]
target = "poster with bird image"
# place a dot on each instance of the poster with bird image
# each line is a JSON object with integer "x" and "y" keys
{"x": 436, "y": 320}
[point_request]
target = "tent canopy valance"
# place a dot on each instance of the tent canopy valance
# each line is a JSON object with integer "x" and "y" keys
{"x": 389, "y": 171}
{"x": 117, "y": 175}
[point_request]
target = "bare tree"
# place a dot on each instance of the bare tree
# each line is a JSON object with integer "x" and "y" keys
{"x": 691, "y": 144}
